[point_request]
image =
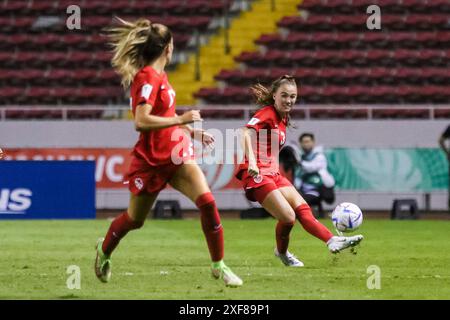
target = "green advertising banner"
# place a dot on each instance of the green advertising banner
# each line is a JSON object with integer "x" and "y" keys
{"x": 409, "y": 169}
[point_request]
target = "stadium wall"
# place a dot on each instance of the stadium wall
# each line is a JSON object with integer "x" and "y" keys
{"x": 330, "y": 133}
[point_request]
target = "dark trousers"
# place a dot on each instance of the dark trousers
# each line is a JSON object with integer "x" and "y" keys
{"x": 325, "y": 194}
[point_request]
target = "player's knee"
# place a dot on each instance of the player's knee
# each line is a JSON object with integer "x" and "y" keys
{"x": 303, "y": 206}
{"x": 206, "y": 198}
{"x": 138, "y": 224}
{"x": 288, "y": 216}
{"x": 289, "y": 220}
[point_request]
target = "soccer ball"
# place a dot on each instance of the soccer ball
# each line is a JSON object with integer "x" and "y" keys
{"x": 347, "y": 217}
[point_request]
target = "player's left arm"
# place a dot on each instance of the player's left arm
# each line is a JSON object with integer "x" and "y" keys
{"x": 199, "y": 134}
{"x": 1, "y": 154}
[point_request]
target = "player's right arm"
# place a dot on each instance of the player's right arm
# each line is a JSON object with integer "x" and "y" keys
{"x": 1, "y": 154}
{"x": 148, "y": 90}
{"x": 260, "y": 120}
{"x": 144, "y": 121}
{"x": 249, "y": 135}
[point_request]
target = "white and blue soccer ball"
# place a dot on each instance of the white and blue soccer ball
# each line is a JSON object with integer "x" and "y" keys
{"x": 347, "y": 217}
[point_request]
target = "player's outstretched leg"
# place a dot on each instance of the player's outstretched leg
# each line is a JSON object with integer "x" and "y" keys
{"x": 213, "y": 230}
{"x": 102, "y": 263}
{"x": 313, "y": 226}
{"x": 104, "y": 248}
{"x": 337, "y": 244}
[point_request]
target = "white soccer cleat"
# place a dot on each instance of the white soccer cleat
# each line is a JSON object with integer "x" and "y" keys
{"x": 228, "y": 276}
{"x": 289, "y": 259}
{"x": 337, "y": 244}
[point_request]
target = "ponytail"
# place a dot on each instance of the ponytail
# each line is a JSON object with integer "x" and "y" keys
{"x": 136, "y": 44}
{"x": 262, "y": 95}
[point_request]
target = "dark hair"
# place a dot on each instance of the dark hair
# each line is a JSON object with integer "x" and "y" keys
{"x": 136, "y": 44}
{"x": 158, "y": 38}
{"x": 264, "y": 96}
{"x": 305, "y": 135}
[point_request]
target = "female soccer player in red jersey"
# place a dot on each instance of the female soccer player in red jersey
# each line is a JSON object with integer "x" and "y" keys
{"x": 262, "y": 180}
{"x": 141, "y": 51}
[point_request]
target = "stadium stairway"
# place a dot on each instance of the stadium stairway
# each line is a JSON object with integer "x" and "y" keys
{"x": 243, "y": 31}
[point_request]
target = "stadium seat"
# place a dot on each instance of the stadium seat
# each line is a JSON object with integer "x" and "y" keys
{"x": 442, "y": 113}
{"x": 52, "y": 57}
{"x": 84, "y": 114}
{"x": 328, "y": 50}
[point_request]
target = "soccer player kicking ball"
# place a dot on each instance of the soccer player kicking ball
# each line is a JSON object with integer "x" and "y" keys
{"x": 141, "y": 51}
{"x": 262, "y": 180}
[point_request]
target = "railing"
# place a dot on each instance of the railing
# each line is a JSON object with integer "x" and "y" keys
{"x": 102, "y": 112}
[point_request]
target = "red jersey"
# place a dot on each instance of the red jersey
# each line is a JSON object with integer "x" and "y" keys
{"x": 271, "y": 132}
{"x": 150, "y": 87}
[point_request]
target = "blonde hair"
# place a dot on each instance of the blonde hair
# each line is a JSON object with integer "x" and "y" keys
{"x": 136, "y": 44}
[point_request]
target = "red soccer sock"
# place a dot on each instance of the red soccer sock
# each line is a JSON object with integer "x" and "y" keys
{"x": 314, "y": 227}
{"x": 282, "y": 231}
{"x": 118, "y": 229}
{"x": 212, "y": 228}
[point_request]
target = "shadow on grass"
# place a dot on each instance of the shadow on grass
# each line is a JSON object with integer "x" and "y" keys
{"x": 69, "y": 296}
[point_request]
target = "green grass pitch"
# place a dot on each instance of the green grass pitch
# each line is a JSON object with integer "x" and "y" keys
{"x": 169, "y": 260}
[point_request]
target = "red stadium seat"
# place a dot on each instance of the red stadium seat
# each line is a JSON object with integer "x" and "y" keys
{"x": 84, "y": 114}
{"x": 109, "y": 76}
{"x": 56, "y": 59}
{"x": 272, "y": 40}
{"x": 442, "y": 113}
{"x": 41, "y": 95}
{"x": 10, "y": 94}
{"x": 60, "y": 76}
{"x": 16, "y": 7}
{"x": 43, "y": 6}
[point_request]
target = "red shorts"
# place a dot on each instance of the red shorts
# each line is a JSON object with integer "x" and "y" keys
{"x": 144, "y": 178}
{"x": 256, "y": 189}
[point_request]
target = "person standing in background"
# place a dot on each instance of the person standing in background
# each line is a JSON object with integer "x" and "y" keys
{"x": 312, "y": 178}
{"x": 442, "y": 143}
